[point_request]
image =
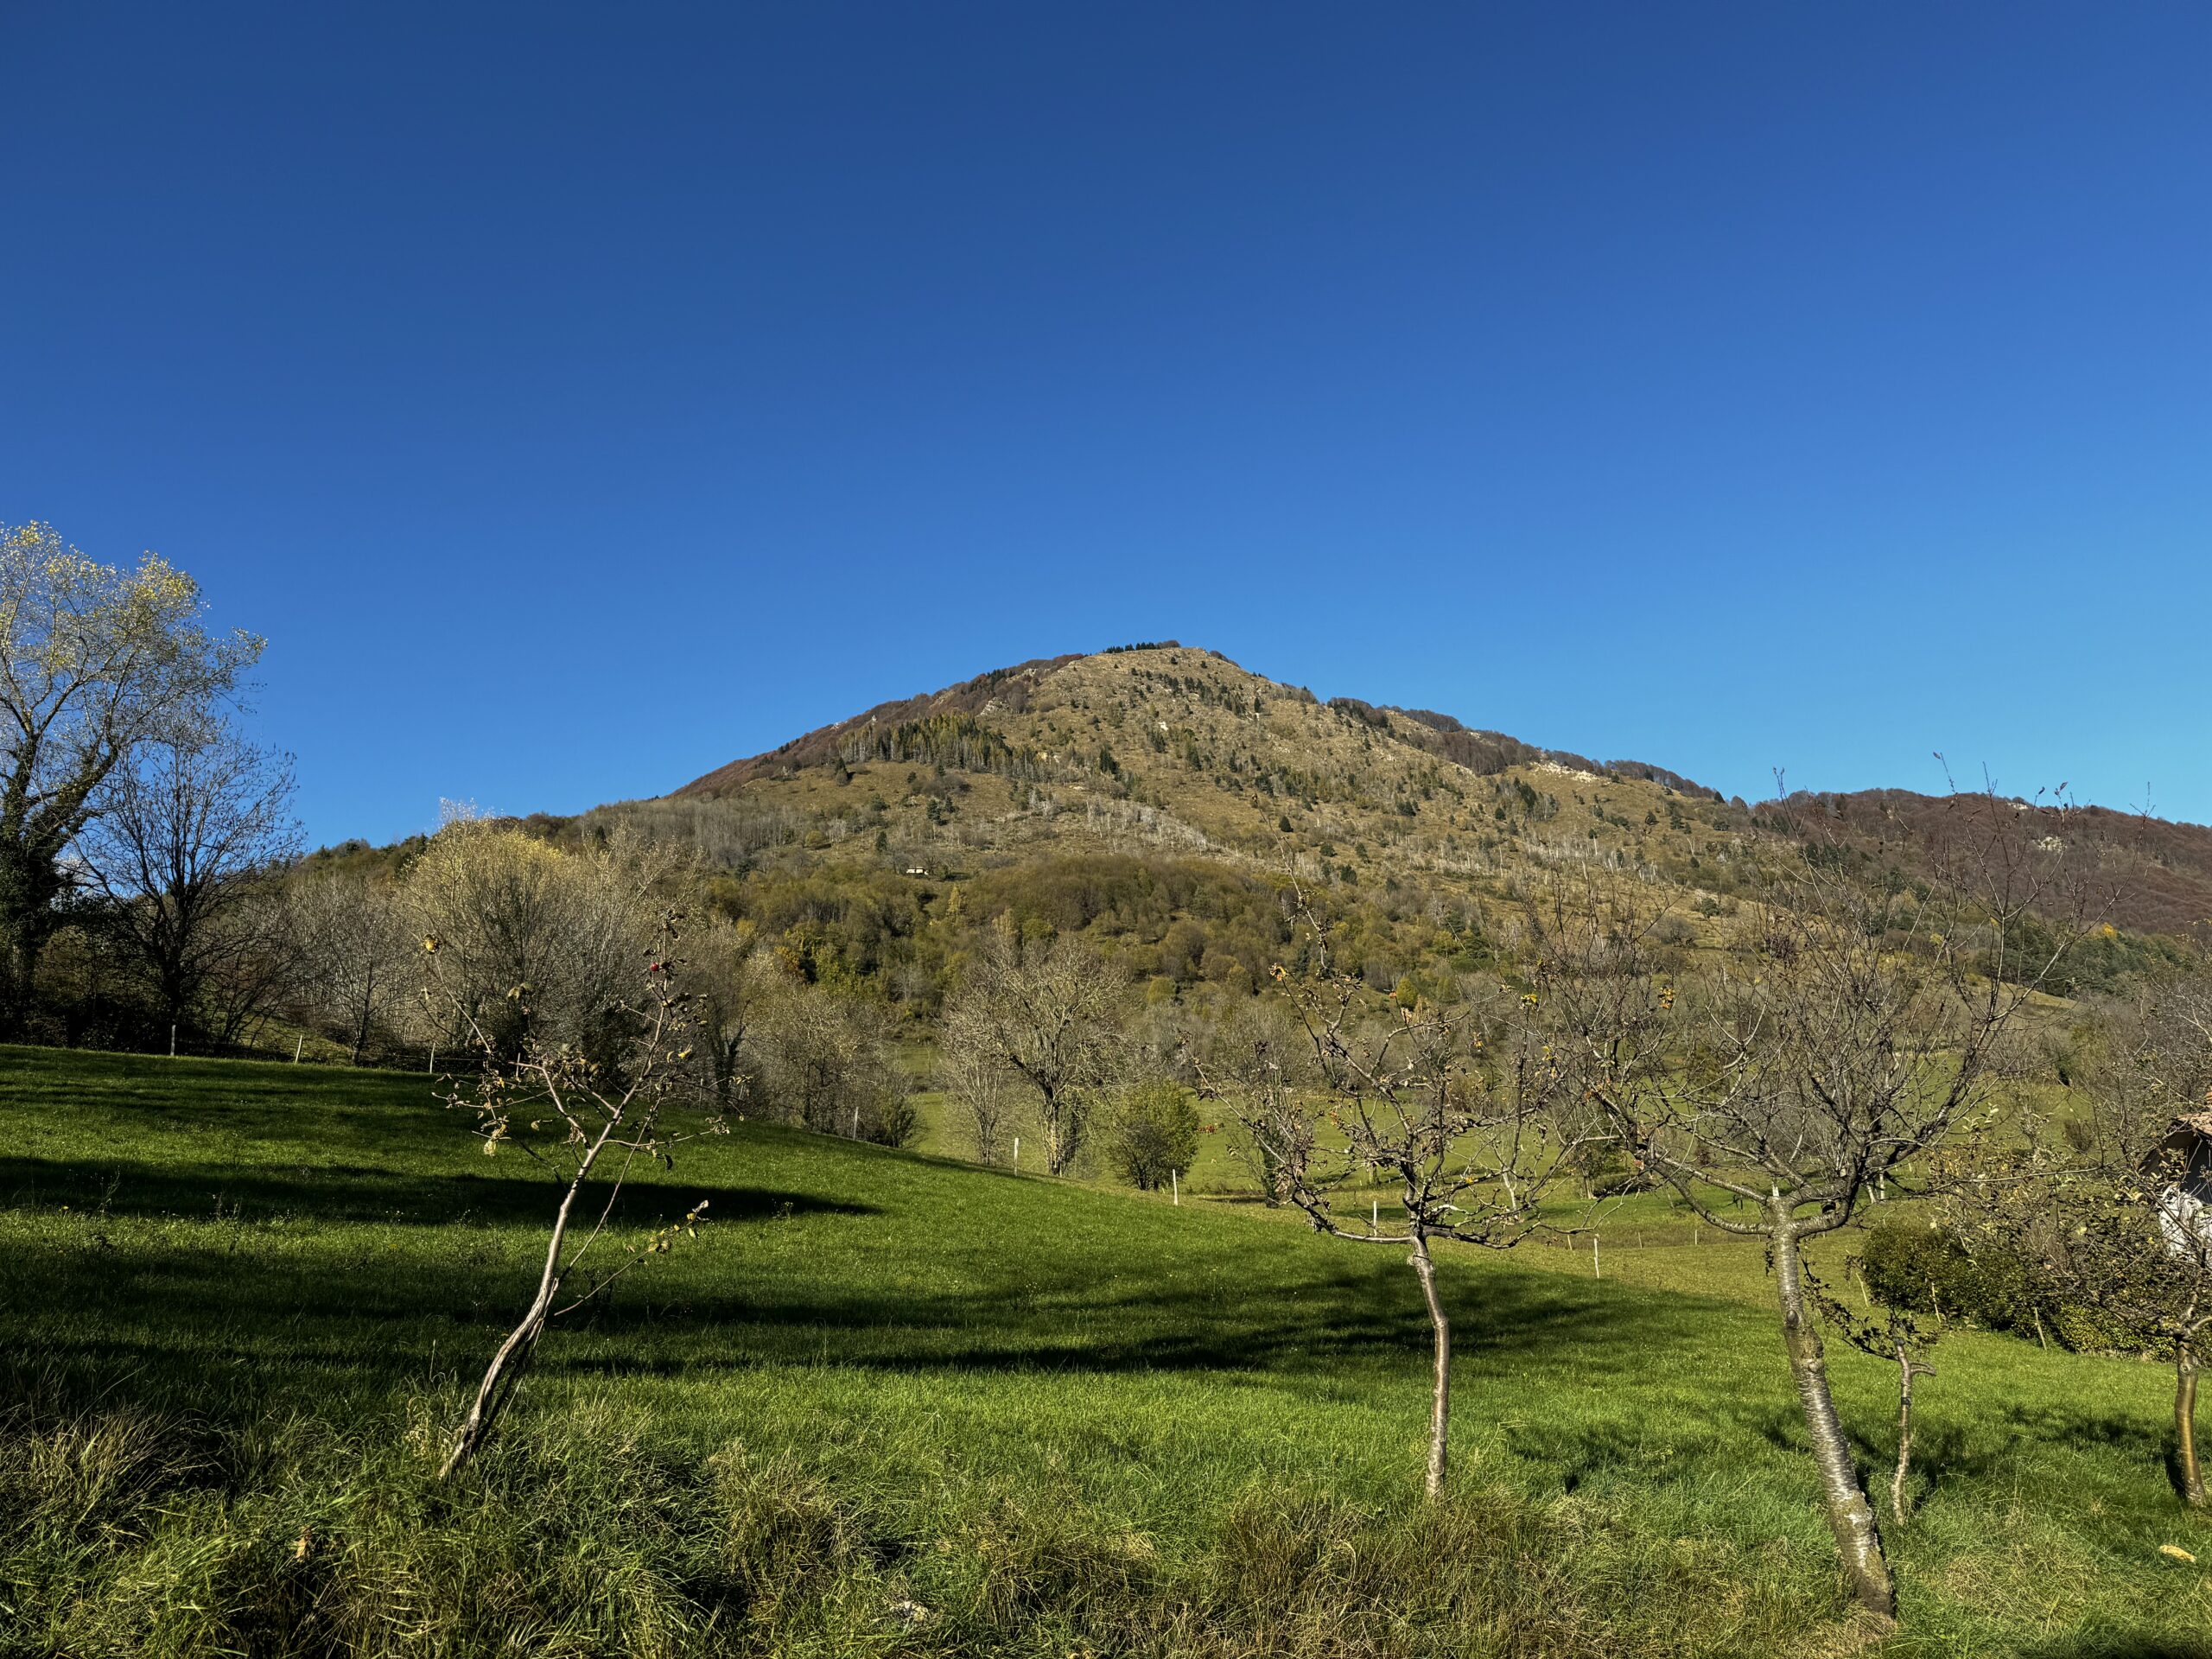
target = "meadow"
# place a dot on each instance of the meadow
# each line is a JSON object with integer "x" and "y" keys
{"x": 888, "y": 1403}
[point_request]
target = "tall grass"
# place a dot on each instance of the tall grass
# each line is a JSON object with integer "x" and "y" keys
{"x": 127, "y": 1533}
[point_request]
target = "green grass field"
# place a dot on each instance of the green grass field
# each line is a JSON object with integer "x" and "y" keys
{"x": 888, "y": 1404}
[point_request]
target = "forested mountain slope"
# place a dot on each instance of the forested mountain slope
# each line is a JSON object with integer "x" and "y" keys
{"x": 1155, "y": 795}
{"x": 1168, "y": 746}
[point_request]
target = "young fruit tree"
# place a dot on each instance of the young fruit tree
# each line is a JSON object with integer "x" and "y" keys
{"x": 2107, "y": 1210}
{"x": 1846, "y": 1035}
{"x": 588, "y": 1118}
{"x": 1897, "y": 1338}
{"x": 1423, "y": 1100}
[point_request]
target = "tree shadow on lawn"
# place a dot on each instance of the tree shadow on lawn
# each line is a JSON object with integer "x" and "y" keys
{"x": 355, "y": 1193}
{"x": 1324, "y": 1320}
{"x": 1315, "y": 1314}
{"x": 140, "y": 1093}
{"x": 1947, "y": 1451}
{"x": 1319, "y": 1322}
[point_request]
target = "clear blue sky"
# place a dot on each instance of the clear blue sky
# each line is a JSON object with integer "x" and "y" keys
{"x": 580, "y": 397}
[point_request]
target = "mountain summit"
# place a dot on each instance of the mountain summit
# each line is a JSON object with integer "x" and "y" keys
{"x": 1180, "y": 748}
{"x": 1166, "y": 748}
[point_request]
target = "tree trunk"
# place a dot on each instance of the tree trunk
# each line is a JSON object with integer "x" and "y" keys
{"x": 1439, "y": 1400}
{"x": 1850, "y": 1515}
{"x": 1899, "y": 1505}
{"x": 2192, "y": 1480}
{"x": 1059, "y": 1148}
{"x": 25, "y": 937}
{"x": 502, "y": 1375}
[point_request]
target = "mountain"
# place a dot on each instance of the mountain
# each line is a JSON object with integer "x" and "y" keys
{"x": 1172, "y": 748}
{"x": 2156, "y": 875}
{"x": 1152, "y": 794}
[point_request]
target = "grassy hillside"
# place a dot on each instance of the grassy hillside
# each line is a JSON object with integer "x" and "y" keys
{"x": 891, "y": 1404}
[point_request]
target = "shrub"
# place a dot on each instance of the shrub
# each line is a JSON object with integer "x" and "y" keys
{"x": 1923, "y": 1269}
{"x": 1153, "y": 1134}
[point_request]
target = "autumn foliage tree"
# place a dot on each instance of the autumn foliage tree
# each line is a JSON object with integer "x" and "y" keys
{"x": 535, "y": 943}
{"x": 95, "y": 662}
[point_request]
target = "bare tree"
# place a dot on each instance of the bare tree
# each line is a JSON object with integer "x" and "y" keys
{"x": 1450, "y": 1114}
{"x": 1048, "y": 1012}
{"x": 2110, "y": 1209}
{"x": 197, "y": 826}
{"x": 825, "y": 1063}
{"x": 358, "y": 955}
{"x": 1257, "y": 1059}
{"x": 583, "y": 1120}
{"x": 1849, "y": 1036}
{"x": 93, "y": 661}
{"x": 982, "y": 1086}
{"x": 262, "y": 971}
{"x": 1897, "y": 1338}
{"x": 729, "y": 984}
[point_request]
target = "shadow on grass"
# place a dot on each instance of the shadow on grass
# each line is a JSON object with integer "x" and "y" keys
{"x": 889, "y": 1286}
{"x": 352, "y": 1192}
{"x": 194, "y": 1324}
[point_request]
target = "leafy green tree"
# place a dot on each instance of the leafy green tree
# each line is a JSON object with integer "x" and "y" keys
{"x": 1152, "y": 1135}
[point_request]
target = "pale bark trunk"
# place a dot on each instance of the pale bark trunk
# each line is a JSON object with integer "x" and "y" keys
{"x": 1439, "y": 1402}
{"x": 1850, "y": 1515}
{"x": 1062, "y": 1135}
{"x": 2192, "y": 1480}
{"x": 1899, "y": 1499}
{"x": 502, "y": 1375}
